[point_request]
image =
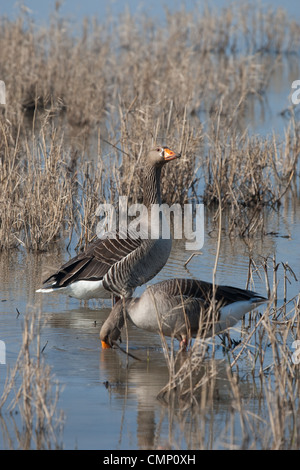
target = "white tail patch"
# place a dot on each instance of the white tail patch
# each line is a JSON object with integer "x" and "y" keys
{"x": 47, "y": 290}
{"x": 82, "y": 290}
{"x": 232, "y": 313}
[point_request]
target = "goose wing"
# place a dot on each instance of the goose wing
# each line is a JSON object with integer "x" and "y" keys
{"x": 201, "y": 290}
{"x": 194, "y": 298}
{"x": 96, "y": 260}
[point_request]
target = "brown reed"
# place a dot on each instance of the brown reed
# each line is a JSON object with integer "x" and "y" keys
{"x": 82, "y": 109}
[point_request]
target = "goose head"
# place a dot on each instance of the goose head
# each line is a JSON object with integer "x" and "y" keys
{"x": 158, "y": 156}
{"x": 110, "y": 332}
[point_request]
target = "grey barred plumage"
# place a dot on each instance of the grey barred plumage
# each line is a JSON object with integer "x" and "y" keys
{"x": 117, "y": 263}
{"x": 182, "y": 308}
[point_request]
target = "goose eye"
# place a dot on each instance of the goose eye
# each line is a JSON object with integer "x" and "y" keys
{"x": 158, "y": 149}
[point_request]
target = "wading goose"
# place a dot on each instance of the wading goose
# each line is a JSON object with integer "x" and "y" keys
{"x": 118, "y": 262}
{"x": 181, "y": 308}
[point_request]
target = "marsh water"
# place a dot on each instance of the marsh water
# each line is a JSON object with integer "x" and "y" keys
{"x": 109, "y": 401}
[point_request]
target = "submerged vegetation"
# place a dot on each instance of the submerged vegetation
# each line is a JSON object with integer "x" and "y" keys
{"x": 82, "y": 107}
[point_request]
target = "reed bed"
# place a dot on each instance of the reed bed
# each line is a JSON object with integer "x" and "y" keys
{"x": 257, "y": 375}
{"x": 83, "y": 106}
{"x": 82, "y": 109}
{"x": 29, "y": 418}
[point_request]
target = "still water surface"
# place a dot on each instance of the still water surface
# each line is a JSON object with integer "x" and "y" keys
{"x": 107, "y": 403}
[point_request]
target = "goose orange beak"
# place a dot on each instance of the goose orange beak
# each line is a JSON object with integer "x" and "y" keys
{"x": 170, "y": 155}
{"x": 105, "y": 345}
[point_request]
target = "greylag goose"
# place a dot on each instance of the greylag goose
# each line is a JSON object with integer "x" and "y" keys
{"x": 116, "y": 263}
{"x": 182, "y": 308}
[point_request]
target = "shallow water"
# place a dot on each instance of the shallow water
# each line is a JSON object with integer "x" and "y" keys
{"x": 109, "y": 402}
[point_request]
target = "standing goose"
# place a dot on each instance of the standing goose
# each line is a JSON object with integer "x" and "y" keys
{"x": 181, "y": 308}
{"x": 117, "y": 263}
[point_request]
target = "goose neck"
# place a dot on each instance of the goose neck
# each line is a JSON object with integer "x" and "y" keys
{"x": 152, "y": 185}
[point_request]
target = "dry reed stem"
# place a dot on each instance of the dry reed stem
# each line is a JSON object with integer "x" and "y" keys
{"x": 196, "y": 381}
{"x": 134, "y": 85}
{"x": 29, "y": 390}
